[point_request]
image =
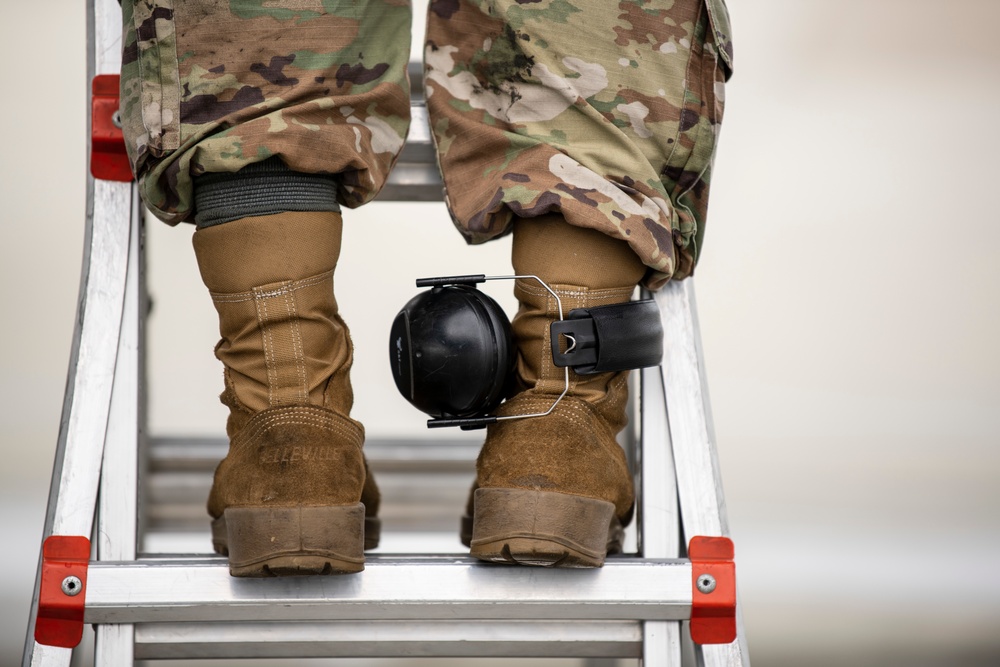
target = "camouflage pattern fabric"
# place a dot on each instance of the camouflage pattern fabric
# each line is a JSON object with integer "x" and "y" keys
{"x": 214, "y": 85}
{"x": 606, "y": 111}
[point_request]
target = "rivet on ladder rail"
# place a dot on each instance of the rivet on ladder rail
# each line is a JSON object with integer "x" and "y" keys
{"x": 65, "y": 559}
{"x": 706, "y": 583}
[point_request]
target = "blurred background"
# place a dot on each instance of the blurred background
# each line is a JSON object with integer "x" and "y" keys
{"x": 849, "y": 297}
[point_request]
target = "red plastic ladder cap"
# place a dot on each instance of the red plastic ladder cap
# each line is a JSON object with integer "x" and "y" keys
{"x": 61, "y": 598}
{"x": 713, "y": 614}
{"x": 108, "y": 158}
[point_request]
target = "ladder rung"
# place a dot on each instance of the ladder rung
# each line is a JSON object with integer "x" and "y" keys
{"x": 203, "y": 454}
{"x": 425, "y": 486}
{"x": 387, "y": 639}
{"x": 391, "y": 588}
{"x": 415, "y": 176}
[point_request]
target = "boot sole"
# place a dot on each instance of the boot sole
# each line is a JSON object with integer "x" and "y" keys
{"x": 283, "y": 541}
{"x": 543, "y": 528}
{"x": 373, "y": 534}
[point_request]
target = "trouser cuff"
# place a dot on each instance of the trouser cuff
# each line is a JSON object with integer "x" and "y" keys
{"x": 262, "y": 188}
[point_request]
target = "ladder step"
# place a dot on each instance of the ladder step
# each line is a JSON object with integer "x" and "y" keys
{"x": 173, "y": 454}
{"x": 425, "y": 485}
{"x": 391, "y": 588}
{"x": 388, "y": 639}
{"x": 415, "y": 176}
{"x": 386, "y": 454}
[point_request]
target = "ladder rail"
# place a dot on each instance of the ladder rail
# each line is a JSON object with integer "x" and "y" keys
{"x": 82, "y": 429}
{"x": 79, "y": 450}
{"x": 692, "y": 439}
{"x": 659, "y": 532}
{"x": 118, "y": 511}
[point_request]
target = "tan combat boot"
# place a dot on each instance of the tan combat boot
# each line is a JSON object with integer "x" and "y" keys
{"x": 556, "y": 490}
{"x": 293, "y": 495}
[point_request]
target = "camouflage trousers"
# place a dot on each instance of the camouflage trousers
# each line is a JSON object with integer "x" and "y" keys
{"x": 605, "y": 111}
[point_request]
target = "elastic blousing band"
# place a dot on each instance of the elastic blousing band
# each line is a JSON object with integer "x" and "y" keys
{"x": 262, "y": 188}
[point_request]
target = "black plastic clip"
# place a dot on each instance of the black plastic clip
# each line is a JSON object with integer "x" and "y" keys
{"x": 619, "y": 337}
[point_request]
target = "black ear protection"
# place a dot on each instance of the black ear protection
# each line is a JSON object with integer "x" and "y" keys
{"x": 452, "y": 351}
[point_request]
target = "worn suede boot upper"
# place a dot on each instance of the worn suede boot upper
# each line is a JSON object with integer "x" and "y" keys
{"x": 287, "y": 355}
{"x": 573, "y": 449}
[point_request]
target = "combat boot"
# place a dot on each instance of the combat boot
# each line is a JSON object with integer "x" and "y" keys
{"x": 556, "y": 490}
{"x": 294, "y": 494}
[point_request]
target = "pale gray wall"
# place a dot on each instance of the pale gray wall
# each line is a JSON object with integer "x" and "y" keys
{"x": 849, "y": 307}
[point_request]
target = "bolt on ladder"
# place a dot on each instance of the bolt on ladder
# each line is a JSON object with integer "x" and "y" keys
{"x": 174, "y": 606}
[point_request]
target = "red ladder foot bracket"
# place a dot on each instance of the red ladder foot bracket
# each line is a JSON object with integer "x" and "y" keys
{"x": 713, "y": 602}
{"x": 63, "y": 592}
{"x": 108, "y": 158}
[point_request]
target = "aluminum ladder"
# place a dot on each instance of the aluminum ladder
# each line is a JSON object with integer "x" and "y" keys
{"x": 136, "y": 494}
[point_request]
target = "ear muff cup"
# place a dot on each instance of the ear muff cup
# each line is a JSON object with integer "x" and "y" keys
{"x": 452, "y": 352}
